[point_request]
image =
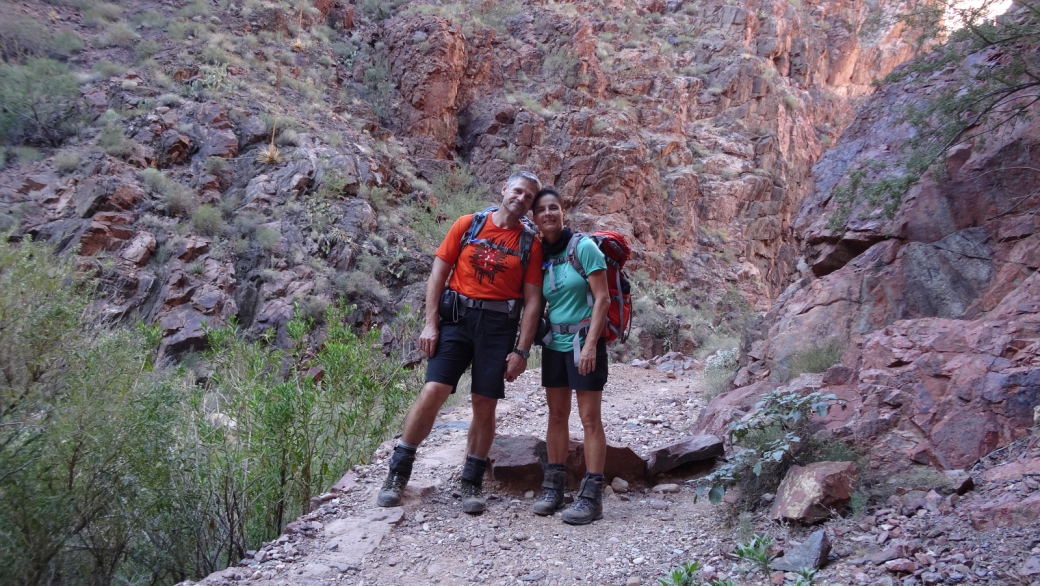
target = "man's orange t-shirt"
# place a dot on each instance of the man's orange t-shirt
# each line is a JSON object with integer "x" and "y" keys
{"x": 482, "y": 272}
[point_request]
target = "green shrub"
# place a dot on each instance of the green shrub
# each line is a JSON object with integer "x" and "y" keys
{"x": 453, "y": 194}
{"x": 27, "y": 37}
{"x": 207, "y": 220}
{"x": 39, "y": 102}
{"x": 359, "y": 284}
{"x": 118, "y": 34}
{"x": 98, "y": 448}
{"x": 757, "y": 553}
{"x": 215, "y": 165}
{"x": 719, "y": 371}
{"x": 766, "y": 444}
{"x": 66, "y": 161}
{"x": 146, "y": 49}
{"x": 100, "y": 13}
{"x": 815, "y": 359}
{"x": 106, "y": 68}
{"x": 266, "y": 238}
{"x": 115, "y": 143}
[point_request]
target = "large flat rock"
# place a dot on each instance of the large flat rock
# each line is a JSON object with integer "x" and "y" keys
{"x": 695, "y": 448}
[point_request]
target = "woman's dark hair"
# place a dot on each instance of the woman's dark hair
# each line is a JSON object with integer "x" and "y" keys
{"x": 544, "y": 192}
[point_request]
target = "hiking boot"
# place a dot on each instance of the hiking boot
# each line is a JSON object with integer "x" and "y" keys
{"x": 473, "y": 501}
{"x": 552, "y": 491}
{"x": 588, "y": 505}
{"x": 400, "y": 471}
{"x": 393, "y": 486}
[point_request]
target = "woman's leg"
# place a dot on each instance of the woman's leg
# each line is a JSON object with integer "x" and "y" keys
{"x": 557, "y": 436}
{"x": 589, "y": 409}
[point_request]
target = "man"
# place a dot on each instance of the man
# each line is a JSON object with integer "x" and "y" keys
{"x": 494, "y": 271}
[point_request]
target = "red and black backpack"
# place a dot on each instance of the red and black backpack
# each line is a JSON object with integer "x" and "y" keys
{"x": 615, "y": 248}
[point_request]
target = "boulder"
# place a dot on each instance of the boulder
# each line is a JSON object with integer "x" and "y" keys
{"x": 621, "y": 461}
{"x": 140, "y": 249}
{"x": 1007, "y": 510}
{"x": 812, "y": 553}
{"x": 697, "y": 448}
{"x": 812, "y": 493}
{"x": 518, "y": 460}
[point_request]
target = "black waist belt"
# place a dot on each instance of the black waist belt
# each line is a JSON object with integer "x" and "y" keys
{"x": 510, "y": 307}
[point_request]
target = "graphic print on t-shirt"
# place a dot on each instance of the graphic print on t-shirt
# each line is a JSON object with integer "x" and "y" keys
{"x": 487, "y": 261}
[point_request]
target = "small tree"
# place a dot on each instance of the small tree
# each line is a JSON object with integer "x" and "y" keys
{"x": 37, "y": 102}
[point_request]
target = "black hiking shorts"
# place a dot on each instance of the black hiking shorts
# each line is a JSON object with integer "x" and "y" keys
{"x": 481, "y": 337}
{"x": 559, "y": 370}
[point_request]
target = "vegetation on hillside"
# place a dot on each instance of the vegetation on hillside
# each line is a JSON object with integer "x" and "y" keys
{"x": 984, "y": 97}
{"x": 116, "y": 469}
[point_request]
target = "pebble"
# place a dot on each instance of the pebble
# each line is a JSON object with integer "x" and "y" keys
{"x": 667, "y": 488}
{"x": 633, "y": 581}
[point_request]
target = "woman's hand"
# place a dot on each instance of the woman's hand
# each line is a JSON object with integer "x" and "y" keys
{"x": 587, "y": 361}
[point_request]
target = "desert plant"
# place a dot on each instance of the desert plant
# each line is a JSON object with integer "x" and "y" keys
{"x": 118, "y": 34}
{"x": 815, "y": 358}
{"x": 266, "y": 238}
{"x": 756, "y": 552}
{"x": 66, "y": 161}
{"x": 38, "y": 102}
{"x": 207, "y": 220}
{"x": 768, "y": 440}
{"x": 452, "y": 194}
{"x": 215, "y": 165}
{"x": 114, "y": 142}
{"x": 25, "y": 37}
{"x": 719, "y": 370}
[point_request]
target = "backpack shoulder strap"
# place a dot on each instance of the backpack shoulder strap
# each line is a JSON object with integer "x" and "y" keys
{"x": 572, "y": 254}
{"x": 526, "y": 243}
{"x": 477, "y": 224}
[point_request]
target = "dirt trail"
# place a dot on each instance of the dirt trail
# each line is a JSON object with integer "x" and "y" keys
{"x": 643, "y": 534}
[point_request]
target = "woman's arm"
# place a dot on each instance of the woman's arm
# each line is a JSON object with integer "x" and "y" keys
{"x": 600, "y": 292}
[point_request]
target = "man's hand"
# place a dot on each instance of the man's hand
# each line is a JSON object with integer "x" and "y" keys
{"x": 428, "y": 340}
{"x": 587, "y": 361}
{"x": 515, "y": 366}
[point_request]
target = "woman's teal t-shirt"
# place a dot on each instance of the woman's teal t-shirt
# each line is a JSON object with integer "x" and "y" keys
{"x": 568, "y": 304}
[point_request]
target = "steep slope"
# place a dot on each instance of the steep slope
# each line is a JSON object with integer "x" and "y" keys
{"x": 933, "y": 304}
{"x": 691, "y": 128}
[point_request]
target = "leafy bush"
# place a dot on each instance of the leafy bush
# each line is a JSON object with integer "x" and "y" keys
{"x": 26, "y": 37}
{"x": 770, "y": 439}
{"x": 686, "y": 575}
{"x": 756, "y": 552}
{"x": 38, "y": 102}
{"x": 66, "y": 161}
{"x": 452, "y": 194}
{"x": 112, "y": 472}
{"x": 719, "y": 370}
{"x": 266, "y": 238}
{"x": 115, "y": 143}
{"x": 215, "y": 165}
{"x": 815, "y": 359}
{"x": 207, "y": 220}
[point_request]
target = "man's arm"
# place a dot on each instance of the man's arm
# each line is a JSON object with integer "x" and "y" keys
{"x": 434, "y": 288}
{"x": 515, "y": 364}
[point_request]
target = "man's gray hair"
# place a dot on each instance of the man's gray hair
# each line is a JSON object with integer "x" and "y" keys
{"x": 526, "y": 176}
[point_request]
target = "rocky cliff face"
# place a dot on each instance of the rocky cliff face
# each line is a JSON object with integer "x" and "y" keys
{"x": 935, "y": 306}
{"x": 690, "y": 127}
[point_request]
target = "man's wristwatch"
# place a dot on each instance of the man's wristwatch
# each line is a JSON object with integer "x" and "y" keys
{"x": 525, "y": 354}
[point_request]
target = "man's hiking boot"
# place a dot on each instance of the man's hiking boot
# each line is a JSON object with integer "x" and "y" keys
{"x": 400, "y": 471}
{"x": 471, "y": 486}
{"x": 588, "y": 504}
{"x": 393, "y": 487}
{"x": 552, "y": 493}
{"x": 473, "y": 501}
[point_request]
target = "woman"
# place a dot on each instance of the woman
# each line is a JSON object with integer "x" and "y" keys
{"x": 577, "y": 318}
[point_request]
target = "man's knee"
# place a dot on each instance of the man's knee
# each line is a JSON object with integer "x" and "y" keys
{"x": 483, "y": 408}
{"x": 434, "y": 394}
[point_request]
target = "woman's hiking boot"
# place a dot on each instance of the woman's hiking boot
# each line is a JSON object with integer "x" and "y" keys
{"x": 471, "y": 486}
{"x": 588, "y": 504}
{"x": 397, "y": 478}
{"x": 552, "y": 490}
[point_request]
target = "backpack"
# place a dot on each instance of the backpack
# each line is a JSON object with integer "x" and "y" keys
{"x": 615, "y": 248}
{"x": 526, "y": 237}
